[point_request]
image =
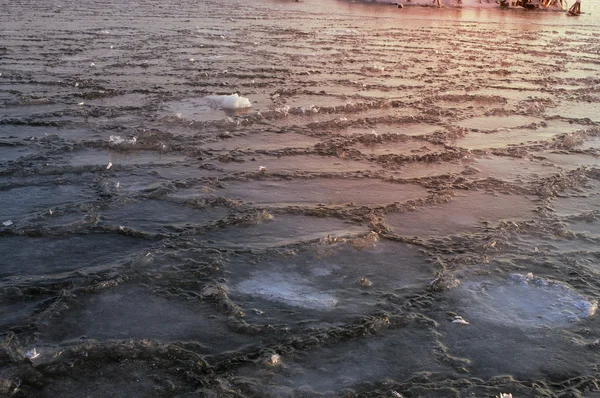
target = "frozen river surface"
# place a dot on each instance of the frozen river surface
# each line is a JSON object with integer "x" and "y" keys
{"x": 298, "y": 199}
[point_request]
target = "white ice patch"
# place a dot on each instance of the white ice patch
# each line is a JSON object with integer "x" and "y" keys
{"x": 118, "y": 140}
{"x": 291, "y": 289}
{"x": 232, "y": 101}
{"x": 525, "y": 300}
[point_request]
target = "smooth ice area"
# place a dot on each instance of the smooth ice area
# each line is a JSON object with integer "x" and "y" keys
{"x": 466, "y": 212}
{"x": 328, "y": 192}
{"x": 161, "y": 216}
{"x": 343, "y": 279}
{"x": 24, "y": 257}
{"x": 133, "y": 312}
{"x": 348, "y": 364}
{"x": 280, "y": 230}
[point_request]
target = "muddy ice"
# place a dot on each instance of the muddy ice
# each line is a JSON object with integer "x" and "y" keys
{"x": 284, "y": 199}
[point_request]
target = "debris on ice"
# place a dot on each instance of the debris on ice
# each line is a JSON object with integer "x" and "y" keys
{"x": 459, "y": 319}
{"x": 311, "y": 109}
{"x": 284, "y": 109}
{"x": 364, "y": 282}
{"x": 109, "y": 165}
{"x": 7, "y": 223}
{"x": 233, "y": 101}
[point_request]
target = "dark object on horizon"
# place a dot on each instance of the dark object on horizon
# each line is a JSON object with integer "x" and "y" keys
{"x": 527, "y": 4}
{"x": 576, "y": 8}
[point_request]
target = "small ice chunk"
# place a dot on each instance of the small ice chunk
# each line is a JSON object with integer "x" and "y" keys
{"x": 109, "y": 165}
{"x": 275, "y": 359}
{"x": 233, "y": 101}
{"x": 92, "y": 64}
{"x": 459, "y": 319}
{"x": 118, "y": 140}
{"x": 7, "y": 223}
{"x": 262, "y": 169}
{"x": 33, "y": 354}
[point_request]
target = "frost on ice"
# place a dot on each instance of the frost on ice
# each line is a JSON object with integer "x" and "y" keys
{"x": 291, "y": 289}
{"x": 525, "y": 300}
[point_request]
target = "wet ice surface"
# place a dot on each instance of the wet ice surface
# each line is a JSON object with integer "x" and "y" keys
{"x": 27, "y": 257}
{"x": 465, "y": 212}
{"x": 132, "y": 312}
{"x": 333, "y": 183}
{"x": 513, "y": 169}
{"x": 160, "y": 216}
{"x": 326, "y": 192}
{"x": 19, "y": 202}
{"x": 508, "y": 137}
{"x": 300, "y": 164}
{"x": 280, "y": 230}
{"x": 347, "y": 365}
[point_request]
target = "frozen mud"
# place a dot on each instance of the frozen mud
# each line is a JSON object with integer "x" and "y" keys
{"x": 299, "y": 199}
